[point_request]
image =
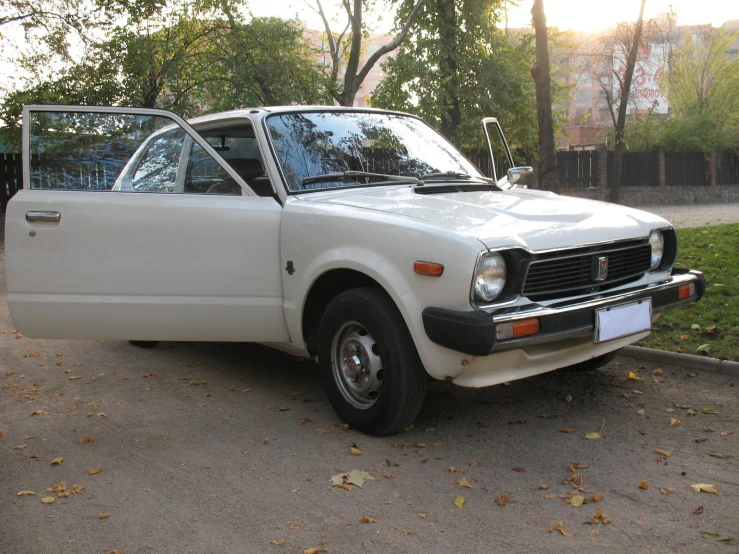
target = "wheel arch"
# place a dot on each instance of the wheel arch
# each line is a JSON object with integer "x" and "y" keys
{"x": 322, "y": 291}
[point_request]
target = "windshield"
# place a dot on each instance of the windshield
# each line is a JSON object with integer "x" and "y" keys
{"x": 311, "y": 144}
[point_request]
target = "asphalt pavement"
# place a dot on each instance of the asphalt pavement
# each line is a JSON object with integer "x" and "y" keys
{"x": 210, "y": 448}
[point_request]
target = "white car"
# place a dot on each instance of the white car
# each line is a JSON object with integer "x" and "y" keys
{"x": 358, "y": 237}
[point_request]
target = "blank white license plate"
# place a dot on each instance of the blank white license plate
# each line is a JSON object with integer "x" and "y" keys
{"x": 622, "y": 321}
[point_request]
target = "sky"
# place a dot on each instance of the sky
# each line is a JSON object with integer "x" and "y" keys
{"x": 581, "y": 15}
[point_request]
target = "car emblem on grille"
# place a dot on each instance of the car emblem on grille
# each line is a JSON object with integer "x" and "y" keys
{"x": 601, "y": 270}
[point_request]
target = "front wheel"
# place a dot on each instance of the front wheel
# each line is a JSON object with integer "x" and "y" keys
{"x": 372, "y": 374}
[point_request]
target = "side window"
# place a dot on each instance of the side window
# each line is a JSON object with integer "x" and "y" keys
{"x": 119, "y": 152}
{"x": 205, "y": 176}
{"x": 157, "y": 168}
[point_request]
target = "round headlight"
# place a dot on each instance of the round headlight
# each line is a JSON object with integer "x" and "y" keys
{"x": 657, "y": 242}
{"x": 490, "y": 277}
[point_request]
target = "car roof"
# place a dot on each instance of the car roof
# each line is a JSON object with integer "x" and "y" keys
{"x": 263, "y": 111}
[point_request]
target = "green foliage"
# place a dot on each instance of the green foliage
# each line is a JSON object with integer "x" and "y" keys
{"x": 702, "y": 89}
{"x": 492, "y": 75}
{"x": 190, "y": 56}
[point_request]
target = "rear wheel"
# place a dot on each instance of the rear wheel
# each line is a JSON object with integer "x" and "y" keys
{"x": 371, "y": 370}
{"x": 144, "y": 343}
{"x": 594, "y": 363}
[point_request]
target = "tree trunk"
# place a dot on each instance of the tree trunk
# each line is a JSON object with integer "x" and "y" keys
{"x": 618, "y": 151}
{"x": 451, "y": 111}
{"x": 548, "y": 177}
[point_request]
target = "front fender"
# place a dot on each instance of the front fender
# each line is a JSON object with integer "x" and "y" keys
{"x": 318, "y": 238}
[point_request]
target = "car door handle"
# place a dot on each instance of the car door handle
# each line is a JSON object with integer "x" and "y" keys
{"x": 43, "y": 216}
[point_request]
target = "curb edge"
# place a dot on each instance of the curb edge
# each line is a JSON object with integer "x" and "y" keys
{"x": 689, "y": 361}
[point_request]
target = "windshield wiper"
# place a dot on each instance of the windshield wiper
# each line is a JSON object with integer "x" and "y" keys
{"x": 351, "y": 174}
{"x": 452, "y": 175}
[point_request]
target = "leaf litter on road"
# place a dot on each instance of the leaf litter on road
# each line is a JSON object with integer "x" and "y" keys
{"x": 704, "y": 487}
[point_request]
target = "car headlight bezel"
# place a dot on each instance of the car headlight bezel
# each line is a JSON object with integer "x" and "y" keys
{"x": 490, "y": 277}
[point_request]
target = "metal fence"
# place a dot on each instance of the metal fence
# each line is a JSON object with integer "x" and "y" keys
{"x": 577, "y": 169}
{"x": 689, "y": 169}
{"x": 11, "y": 177}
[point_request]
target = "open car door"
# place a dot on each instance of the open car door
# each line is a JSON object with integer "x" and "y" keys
{"x": 502, "y": 166}
{"x": 131, "y": 226}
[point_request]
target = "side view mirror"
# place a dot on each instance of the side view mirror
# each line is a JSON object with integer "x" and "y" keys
{"x": 521, "y": 176}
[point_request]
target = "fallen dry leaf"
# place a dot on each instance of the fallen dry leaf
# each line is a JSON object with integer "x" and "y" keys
{"x": 476, "y": 464}
{"x": 278, "y": 542}
{"x": 56, "y": 461}
{"x": 39, "y": 412}
{"x": 420, "y": 445}
{"x": 463, "y": 482}
{"x": 674, "y": 421}
{"x": 643, "y": 485}
{"x": 567, "y": 430}
{"x": 593, "y": 436}
{"x": 668, "y": 490}
{"x": 95, "y": 471}
{"x": 390, "y": 463}
{"x": 355, "y": 451}
{"x": 90, "y": 438}
{"x": 354, "y": 477}
{"x": 600, "y": 517}
{"x": 577, "y": 500}
{"x": 550, "y": 496}
{"x": 598, "y": 497}
{"x": 724, "y": 434}
{"x": 26, "y": 493}
{"x": 19, "y": 447}
{"x": 559, "y": 527}
{"x": 702, "y": 487}
{"x": 657, "y": 372}
{"x": 718, "y": 537}
{"x": 48, "y": 500}
{"x": 634, "y": 377}
{"x": 314, "y": 550}
{"x": 574, "y": 466}
{"x": 543, "y": 487}
{"x": 367, "y": 519}
{"x": 665, "y": 453}
{"x": 455, "y": 470}
{"x": 502, "y": 499}
{"x": 103, "y": 516}
{"x": 74, "y": 377}
{"x": 31, "y": 354}
{"x": 459, "y": 502}
{"x": 321, "y": 431}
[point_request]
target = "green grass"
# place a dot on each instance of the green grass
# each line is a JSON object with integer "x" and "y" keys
{"x": 715, "y": 252}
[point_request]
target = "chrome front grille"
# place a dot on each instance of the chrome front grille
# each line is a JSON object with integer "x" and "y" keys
{"x": 574, "y": 272}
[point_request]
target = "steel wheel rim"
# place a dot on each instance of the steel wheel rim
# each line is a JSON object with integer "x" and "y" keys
{"x": 356, "y": 365}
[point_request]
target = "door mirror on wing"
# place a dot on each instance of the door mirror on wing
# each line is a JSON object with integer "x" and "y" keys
{"x": 521, "y": 176}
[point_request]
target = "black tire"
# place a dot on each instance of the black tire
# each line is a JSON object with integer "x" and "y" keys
{"x": 144, "y": 343}
{"x": 402, "y": 377}
{"x": 595, "y": 363}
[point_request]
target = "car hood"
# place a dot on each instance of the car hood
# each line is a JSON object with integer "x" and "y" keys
{"x": 532, "y": 219}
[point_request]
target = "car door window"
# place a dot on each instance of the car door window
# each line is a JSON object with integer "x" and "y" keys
{"x": 121, "y": 152}
{"x": 157, "y": 168}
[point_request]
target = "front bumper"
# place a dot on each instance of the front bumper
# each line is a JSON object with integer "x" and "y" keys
{"x": 474, "y": 332}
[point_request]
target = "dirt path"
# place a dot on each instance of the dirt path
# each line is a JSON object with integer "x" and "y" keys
{"x": 697, "y": 215}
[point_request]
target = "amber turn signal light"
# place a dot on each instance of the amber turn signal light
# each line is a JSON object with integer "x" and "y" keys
{"x": 428, "y": 268}
{"x": 685, "y": 291}
{"x": 517, "y": 329}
